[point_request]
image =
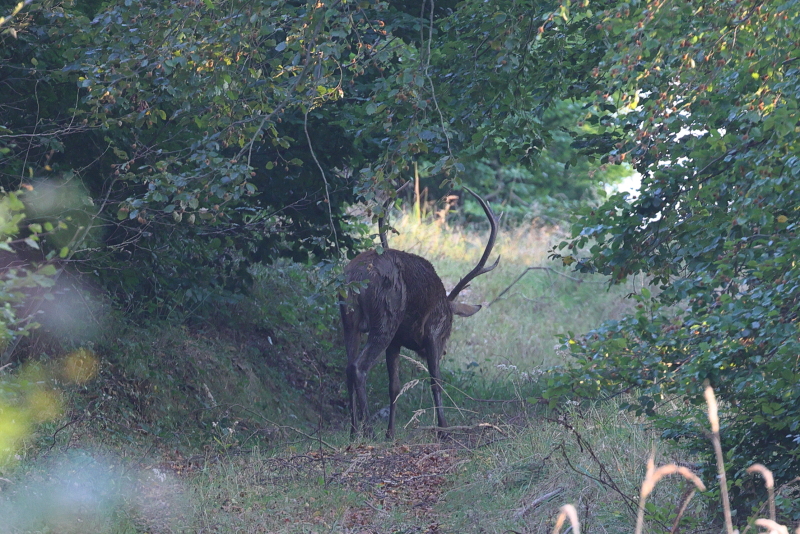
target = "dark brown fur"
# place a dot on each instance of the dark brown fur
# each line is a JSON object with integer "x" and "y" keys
{"x": 404, "y": 304}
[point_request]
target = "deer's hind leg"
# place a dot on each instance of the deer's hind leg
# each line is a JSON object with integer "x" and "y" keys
{"x": 357, "y": 371}
{"x": 352, "y": 344}
{"x": 433, "y": 354}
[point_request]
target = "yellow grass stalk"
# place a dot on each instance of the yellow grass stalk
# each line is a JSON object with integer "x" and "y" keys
{"x": 771, "y": 526}
{"x": 652, "y": 477}
{"x": 769, "y": 481}
{"x": 568, "y": 511}
{"x": 713, "y": 418}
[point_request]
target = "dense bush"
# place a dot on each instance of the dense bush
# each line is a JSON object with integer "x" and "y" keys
{"x": 705, "y": 108}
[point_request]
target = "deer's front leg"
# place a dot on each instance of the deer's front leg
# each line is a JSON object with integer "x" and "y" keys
{"x": 353, "y": 399}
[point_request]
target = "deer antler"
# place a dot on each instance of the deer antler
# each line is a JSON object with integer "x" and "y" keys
{"x": 480, "y": 268}
{"x": 382, "y": 226}
{"x": 382, "y": 220}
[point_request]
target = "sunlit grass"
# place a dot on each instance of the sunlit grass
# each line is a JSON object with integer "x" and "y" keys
{"x": 522, "y": 326}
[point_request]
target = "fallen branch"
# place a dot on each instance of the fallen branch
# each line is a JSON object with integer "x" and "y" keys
{"x": 544, "y": 498}
{"x": 376, "y": 509}
{"x": 460, "y": 428}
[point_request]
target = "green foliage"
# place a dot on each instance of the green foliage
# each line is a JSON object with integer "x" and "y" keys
{"x": 559, "y": 181}
{"x": 211, "y": 136}
{"x": 20, "y": 279}
{"x": 701, "y": 98}
{"x": 516, "y": 59}
{"x": 198, "y": 130}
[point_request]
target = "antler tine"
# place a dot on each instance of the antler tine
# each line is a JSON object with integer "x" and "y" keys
{"x": 381, "y": 219}
{"x": 382, "y": 230}
{"x": 480, "y": 268}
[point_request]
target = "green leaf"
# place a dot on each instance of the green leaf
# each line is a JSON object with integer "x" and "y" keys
{"x": 47, "y": 270}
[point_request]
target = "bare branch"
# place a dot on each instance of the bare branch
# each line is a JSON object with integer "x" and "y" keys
{"x": 527, "y": 269}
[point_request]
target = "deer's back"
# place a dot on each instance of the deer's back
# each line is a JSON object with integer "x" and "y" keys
{"x": 404, "y": 296}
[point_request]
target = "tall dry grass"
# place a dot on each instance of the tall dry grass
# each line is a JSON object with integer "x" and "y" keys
{"x": 654, "y": 475}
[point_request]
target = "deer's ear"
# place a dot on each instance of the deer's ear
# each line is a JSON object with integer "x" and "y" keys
{"x": 464, "y": 310}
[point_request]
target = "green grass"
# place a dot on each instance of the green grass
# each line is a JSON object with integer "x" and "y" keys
{"x": 522, "y": 326}
{"x": 484, "y": 489}
{"x": 378, "y": 487}
{"x": 238, "y": 423}
{"x": 293, "y": 488}
{"x": 519, "y": 484}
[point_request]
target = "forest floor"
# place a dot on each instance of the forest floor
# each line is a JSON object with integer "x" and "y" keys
{"x": 490, "y": 479}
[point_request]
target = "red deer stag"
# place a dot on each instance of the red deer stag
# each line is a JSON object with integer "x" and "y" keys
{"x": 401, "y": 303}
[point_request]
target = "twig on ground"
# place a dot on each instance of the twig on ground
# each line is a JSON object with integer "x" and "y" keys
{"x": 534, "y": 503}
{"x": 685, "y": 498}
{"x": 58, "y": 430}
{"x": 376, "y": 509}
{"x": 460, "y": 428}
